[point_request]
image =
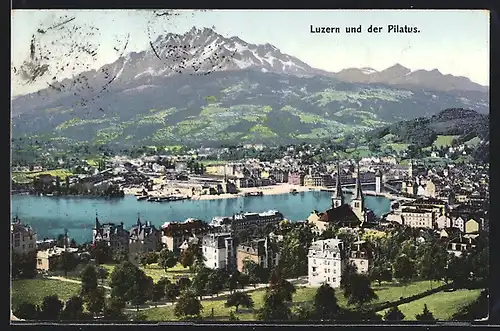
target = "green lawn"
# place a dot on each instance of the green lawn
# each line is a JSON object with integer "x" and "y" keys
{"x": 34, "y": 290}
{"x": 444, "y": 141}
{"x": 473, "y": 142}
{"x": 386, "y": 292}
{"x": 22, "y": 177}
{"x": 398, "y": 147}
{"x": 156, "y": 272}
{"x": 443, "y": 304}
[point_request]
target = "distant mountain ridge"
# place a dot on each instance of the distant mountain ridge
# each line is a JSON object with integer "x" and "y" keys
{"x": 400, "y": 76}
{"x": 201, "y": 87}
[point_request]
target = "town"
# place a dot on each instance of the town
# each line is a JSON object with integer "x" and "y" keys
{"x": 342, "y": 263}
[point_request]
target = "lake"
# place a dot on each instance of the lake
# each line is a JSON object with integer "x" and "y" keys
{"x": 49, "y": 216}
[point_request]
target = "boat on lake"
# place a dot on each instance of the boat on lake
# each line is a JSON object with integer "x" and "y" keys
{"x": 254, "y": 194}
{"x": 141, "y": 197}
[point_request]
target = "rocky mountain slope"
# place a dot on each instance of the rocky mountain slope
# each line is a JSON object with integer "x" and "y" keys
{"x": 203, "y": 88}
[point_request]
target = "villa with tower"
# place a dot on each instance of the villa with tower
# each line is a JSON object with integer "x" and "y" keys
{"x": 342, "y": 214}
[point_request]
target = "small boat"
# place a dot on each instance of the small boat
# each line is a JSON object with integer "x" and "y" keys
{"x": 254, "y": 194}
{"x": 141, "y": 197}
{"x": 293, "y": 191}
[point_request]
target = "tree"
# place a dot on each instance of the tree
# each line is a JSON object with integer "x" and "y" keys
{"x": 67, "y": 261}
{"x": 274, "y": 307}
{"x": 200, "y": 281}
{"x": 281, "y": 286}
{"x": 426, "y": 315}
{"x": 433, "y": 261}
{"x": 237, "y": 299}
{"x": 129, "y": 283}
{"x": 114, "y": 310}
{"x": 51, "y": 308}
{"x": 100, "y": 252}
{"x": 102, "y": 274}
{"x": 158, "y": 293}
{"x": 23, "y": 265}
{"x": 457, "y": 271}
{"x": 166, "y": 259}
{"x": 188, "y": 305}
{"x": 325, "y": 303}
{"x": 404, "y": 269}
{"x": 94, "y": 301}
{"x": 73, "y": 309}
{"x": 172, "y": 291}
{"x": 141, "y": 290}
{"x": 27, "y": 311}
{"x": 345, "y": 280}
{"x": 303, "y": 313}
{"x": 183, "y": 283}
{"x": 359, "y": 291}
{"x": 89, "y": 280}
{"x": 253, "y": 270}
{"x": 394, "y": 314}
{"x": 295, "y": 249}
{"x": 215, "y": 282}
{"x": 380, "y": 273}
{"x": 187, "y": 257}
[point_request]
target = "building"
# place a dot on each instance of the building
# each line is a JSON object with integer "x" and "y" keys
{"x": 175, "y": 233}
{"x": 218, "y": 250}
{"x": 246, "y": 221}
{"x": 263, "y": 252}
{"x": 325, "y": 262}
{"x": 114, "y": 235}
{"x": 361, "y": 256}
{"x": 443, "y": 222}
{"x": 341, "y": 214}
{"x": 421, "y": 213}
{"x": 472, "y": 226}
{"x": 47, "y": 260}
{"x": 461, "y": 244}
{"x": 295, "y": 178}
{"x": 23, "y": 238}
{"x": 143, "y": 238}
{"x": 449, "y": 232}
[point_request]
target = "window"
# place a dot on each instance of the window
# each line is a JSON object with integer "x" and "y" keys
{"x": 334, "y": 280}
{"x": 314, "y": 269}
{"x": 328, "y": 270}
{"x": 24, "y": 246}
{"x": 328, "y": 278}
{"x": 325, "y": 270}
{"x": 334, "y": 271}
{"x": 362, "y": 262}
{"x": 16, "y": 243}
{"x": 314, "y": 261}
{"x": 39, "y": 261}
{"x": 30, "y": 246}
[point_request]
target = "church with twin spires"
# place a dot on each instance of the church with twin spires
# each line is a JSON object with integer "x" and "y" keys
{"x": 342, "y": 214}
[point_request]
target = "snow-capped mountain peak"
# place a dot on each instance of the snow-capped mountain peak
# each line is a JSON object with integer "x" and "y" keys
{"x": 201, "y": 51}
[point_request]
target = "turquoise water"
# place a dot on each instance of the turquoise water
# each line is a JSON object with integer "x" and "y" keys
{"x": 49, "y": 216}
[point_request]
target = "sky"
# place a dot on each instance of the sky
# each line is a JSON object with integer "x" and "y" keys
{"x": 454, "y": 42}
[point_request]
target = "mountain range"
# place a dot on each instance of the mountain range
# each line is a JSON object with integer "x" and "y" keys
{"x": 201, "y": 87}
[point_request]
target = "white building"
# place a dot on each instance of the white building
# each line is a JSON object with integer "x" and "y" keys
{"x": 443, "y": 222}
{"x": 325, "y": 262}
{"x": 459, "y": 223}
{"x": 218, "y": 250}
{"x": 23, "y": 238}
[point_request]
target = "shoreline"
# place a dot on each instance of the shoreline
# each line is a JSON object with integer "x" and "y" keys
{"x": 266, "y": 190}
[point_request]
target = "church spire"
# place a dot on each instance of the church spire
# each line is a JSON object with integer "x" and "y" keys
{"x": 97, "y": 224}
{"x": 338, "y": 197}
{"x": 358, "y": 193}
